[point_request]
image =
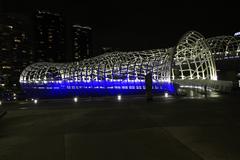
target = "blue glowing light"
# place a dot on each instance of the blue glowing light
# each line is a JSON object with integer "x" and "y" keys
{"x": 94, "y": 88}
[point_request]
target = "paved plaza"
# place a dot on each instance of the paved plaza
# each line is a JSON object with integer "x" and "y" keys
{"x": 103, "y": 128}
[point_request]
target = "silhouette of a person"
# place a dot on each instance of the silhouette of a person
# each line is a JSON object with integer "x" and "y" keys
{"x": 148, "y": 84}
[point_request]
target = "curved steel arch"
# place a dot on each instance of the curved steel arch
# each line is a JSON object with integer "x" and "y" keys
{"x": 223, "y": 47}
{"x": 134, "y": 65}
{"x": 193, "y": 58}
{"x": 123, "y": 72}
{"x": 115, "y": 70}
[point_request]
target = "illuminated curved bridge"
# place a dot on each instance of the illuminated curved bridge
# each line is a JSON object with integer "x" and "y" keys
{"x": 124, "y": 72}
{"x": 108, "y": 74}
{"x": 224, "y": 47}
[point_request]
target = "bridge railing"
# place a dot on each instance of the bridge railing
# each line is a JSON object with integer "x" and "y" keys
{"x": 219, "y": 86}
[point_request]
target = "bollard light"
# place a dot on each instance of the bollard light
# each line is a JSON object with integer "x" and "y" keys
{"x": 166, "y": 94}
{"x": 119, "y": 97}
{"x": 35, "y": 101}
{"x": 75, "y": 99}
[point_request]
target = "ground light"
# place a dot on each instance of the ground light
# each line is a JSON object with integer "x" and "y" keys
{"x": 14, "y": 96}
{"x": 75, "y": 99}
{"x": 35, "y": 101}
{"x": 166, "y": 94}
{"x": 119, "y": 97}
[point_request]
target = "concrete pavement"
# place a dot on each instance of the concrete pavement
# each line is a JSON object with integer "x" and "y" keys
{"x": 131, "y": 129}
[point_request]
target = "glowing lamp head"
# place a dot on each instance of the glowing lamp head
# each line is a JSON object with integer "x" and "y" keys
{"x": 119, "y": 97}
{"x": 75, "y": 99}
{"x": 0, "y": 103}
{"x": 166, "y": 94}
{"x": 35, "y": 101}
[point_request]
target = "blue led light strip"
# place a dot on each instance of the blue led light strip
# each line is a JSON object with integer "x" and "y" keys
{"x": 94, "y": 88}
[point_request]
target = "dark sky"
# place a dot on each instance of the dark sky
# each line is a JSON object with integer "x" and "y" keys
{"x": 140, "y": 25}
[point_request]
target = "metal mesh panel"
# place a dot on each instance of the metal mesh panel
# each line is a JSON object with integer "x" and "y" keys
{"x": 224, "y": 47}
{"x": 110, "y": 66}
{"x": 193, "y": 59}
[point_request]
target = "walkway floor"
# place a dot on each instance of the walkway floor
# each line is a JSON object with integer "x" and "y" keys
{"x": 104, "y": 128}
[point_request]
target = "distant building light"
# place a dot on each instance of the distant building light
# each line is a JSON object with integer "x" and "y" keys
{"x": 237, "y": 34}
{"x": 238, "y": 75}
{"x": 11, "y": 27}
{"x": 6, "y": 67}
{"x": 17, "y": 40}
{"x": 83, "y": 27}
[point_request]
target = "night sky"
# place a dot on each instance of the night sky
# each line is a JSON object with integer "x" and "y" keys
{"x": 140, "y": 25}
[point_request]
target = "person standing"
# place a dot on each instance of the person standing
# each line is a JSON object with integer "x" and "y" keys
{"x": 148, "y": 84}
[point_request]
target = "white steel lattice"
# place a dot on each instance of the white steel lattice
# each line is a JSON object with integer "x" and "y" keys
{"x": 193, "y": 59}
{"x": 109, "y": 67}
{"x": 224, "y": 47}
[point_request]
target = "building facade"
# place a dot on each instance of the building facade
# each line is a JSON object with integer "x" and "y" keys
{"x": 49, "y": 29}
{"x": 15, "y": 51}
{"x": 82, "y": 42}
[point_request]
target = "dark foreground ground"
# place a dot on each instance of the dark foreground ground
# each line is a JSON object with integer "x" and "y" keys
{"x": 133, "y": 129}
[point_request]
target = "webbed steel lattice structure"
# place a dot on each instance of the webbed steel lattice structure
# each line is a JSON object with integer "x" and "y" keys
{"x": 193, "y": 58}
{"x": 110, "y": 73}
{"x": 124, "y": 72}
{"x": 224, "y": 47}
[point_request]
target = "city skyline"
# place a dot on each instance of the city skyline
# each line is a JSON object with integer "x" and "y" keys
{"x": 119, "y": 80}
{"x": 133, "y": 26}
{"x": 75, "y": 31}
